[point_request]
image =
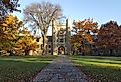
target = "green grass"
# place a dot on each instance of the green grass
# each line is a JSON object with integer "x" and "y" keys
{"x": 99, "y": 69}
{"x": 21, "y": 68}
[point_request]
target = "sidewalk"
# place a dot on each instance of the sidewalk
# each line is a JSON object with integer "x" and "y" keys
{"x": 60, "y": 70}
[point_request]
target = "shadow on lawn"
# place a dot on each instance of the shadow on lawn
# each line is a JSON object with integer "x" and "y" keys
{"x": 114, "y": 61}
{"x": 27, "y": 59}
{"x": 21, "y": 69}
{"x": 102, "y": 69}
{"x": 101, "y": 74}
{"x": 100, "y": 57}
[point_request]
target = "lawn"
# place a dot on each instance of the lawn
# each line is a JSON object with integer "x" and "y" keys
{"x": 99, "y": 69}
{"x": 22, "y": 68}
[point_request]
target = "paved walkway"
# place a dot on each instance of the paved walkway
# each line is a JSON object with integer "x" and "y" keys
{"x": 60, "y": 70}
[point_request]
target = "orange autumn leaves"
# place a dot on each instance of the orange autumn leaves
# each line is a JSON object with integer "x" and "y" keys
{"x": 83, "y": 34}
{"x": 105, "y": 40}
{"x": 109, "y": 36}
{"x": 86, "y": 24}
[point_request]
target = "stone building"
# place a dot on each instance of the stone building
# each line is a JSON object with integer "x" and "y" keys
{"x": 59, "y": 42}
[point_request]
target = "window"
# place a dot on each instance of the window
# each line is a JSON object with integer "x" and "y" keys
{"x": 37, "y": 39}
{"x": 38, "y": 46}
{"x": 49, "y": 51}
{"x": 49, "y": 46}
{"x": 61, "y": 28}
{"x": 62, "y": 40}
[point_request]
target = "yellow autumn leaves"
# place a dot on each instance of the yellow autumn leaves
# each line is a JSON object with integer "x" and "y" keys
{"x": 10, "y": 39}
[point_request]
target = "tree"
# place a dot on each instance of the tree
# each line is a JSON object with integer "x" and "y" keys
{"x": 109, "y": 38}
{"x": 83, "y": 34}
{"x": 9, "y": 32}
{"x": 25, "y": 42}
{"x": 7, "y": 6}
{"x": 40, "y": 15}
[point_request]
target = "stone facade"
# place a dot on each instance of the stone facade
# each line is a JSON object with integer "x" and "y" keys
{"x": 59, "y": 42}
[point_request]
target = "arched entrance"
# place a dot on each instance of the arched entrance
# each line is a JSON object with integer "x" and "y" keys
{"x": 61, "y": 50}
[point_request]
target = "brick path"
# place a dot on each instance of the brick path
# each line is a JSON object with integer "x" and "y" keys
{"x": 60, "y": 70}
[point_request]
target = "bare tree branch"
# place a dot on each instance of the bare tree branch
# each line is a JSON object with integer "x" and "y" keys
{"x": 42, "y": 14}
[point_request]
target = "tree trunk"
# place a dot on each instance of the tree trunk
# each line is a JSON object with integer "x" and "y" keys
{"x": 27, "y": 51}
{"x": 111, "y": 52}
{"x": 44, "y": 36}
{"x": 11, "y": 53}
{"x": 73, "y": 53}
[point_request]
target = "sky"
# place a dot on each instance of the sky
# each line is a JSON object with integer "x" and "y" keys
{"x": 101, "y": 11}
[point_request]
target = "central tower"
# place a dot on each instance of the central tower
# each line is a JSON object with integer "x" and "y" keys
{"x": 60, "y": 38}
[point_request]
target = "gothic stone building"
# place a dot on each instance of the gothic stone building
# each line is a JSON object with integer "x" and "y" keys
{"x": 59, "y": 42}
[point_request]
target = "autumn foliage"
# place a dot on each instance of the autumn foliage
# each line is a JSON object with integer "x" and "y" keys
{"x": 25, "y": 43}
{"x": 83, "y": 34}
{"x": 86, "y": 39}
{"x": 11, "y": 40}
{"x": 9, "y": 32}
{"x": 109, "y": 39}
{"x": 103, "y": 41}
